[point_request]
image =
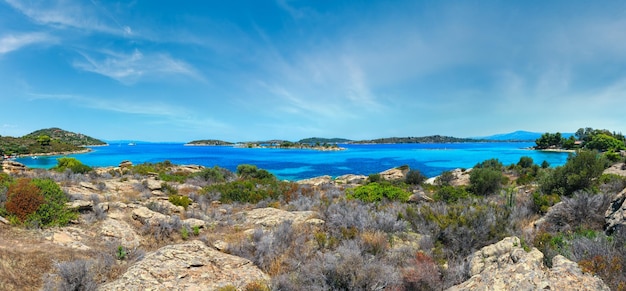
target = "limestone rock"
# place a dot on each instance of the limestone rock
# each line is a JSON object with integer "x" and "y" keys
{"x": 153, "y": 184}
{"x": 145, "y": 215}
{"x": 505, "y": 265}
{"x": 3, "y": 220}
{"x": 88, "y": 186}
{"x": 419, "y": 196}
{"x": 80, "y": 205}
{"x": 394, "y": 174}
{"x": 194, "y": 222}
{"x": 126, "y": 164}
{"x": 460, "y": 178}
{"x": 351, "y": 179}
{"x": 615, "y": 216}
{"x": 13, "y": 167}
{"x": 121, "y": 231}
{"x": 188, "y": 266}
{"x": 316, "y": 181}
{"x": 270, "y": 217}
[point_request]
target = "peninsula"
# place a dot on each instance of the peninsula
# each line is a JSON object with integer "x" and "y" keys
{"x": 50, "y": 141}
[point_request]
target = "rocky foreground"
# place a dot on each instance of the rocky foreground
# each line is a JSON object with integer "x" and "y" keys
{"x": 128, "y": 231}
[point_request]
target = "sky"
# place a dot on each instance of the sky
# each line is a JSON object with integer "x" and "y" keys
{"x": 277, "y": 69}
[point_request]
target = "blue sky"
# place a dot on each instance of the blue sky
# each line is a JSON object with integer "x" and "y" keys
{"x": 253, "y": 70}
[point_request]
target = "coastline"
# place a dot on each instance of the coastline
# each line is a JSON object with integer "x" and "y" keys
{"x": 83, "y": 151}
{"x": 556, "y": 150}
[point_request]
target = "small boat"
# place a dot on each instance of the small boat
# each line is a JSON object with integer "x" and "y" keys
{"x": 131, "y": 143}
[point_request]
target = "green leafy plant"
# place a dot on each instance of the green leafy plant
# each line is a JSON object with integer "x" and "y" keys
{"x": 375, "y": 192}
{"x": 120, "y": 253}
{"x": 71, "y": 163}
{"x": 180, "y": 200}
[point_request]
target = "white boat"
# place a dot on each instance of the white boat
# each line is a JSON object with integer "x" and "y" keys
{"x": 131, "y": 144}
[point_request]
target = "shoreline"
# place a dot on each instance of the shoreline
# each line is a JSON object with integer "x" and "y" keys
{"x": 84, "y": 151}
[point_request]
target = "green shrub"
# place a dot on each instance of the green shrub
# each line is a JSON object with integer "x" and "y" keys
{"x": 249, "y": 190}
{"x": 444, "y": 179}
{"x": 374, "y": 178}
{"x": 39, "y": 202}
{"x": 53, "y": 212}
{"x": 450, "y": 194}
{"x": 375, "y": 192}
{"x": 415, "y": 177}
{"x": 485, "y": 181}
{"x": 246, "y": 171}
{"x": 71, "y": 163}
{"x": 214, "y": 175}
{"x": 525, "y": 162}
{"x": 180, "y": 200}
{"x": 542, "y": 202}
{"x": 578, "y": 173}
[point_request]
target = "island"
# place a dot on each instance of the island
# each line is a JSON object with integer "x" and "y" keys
{"x": 50, "y": 141}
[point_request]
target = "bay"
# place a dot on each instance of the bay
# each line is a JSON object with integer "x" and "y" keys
{"x": 296, "y": 164}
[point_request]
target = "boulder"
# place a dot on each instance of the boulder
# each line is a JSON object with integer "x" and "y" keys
{"x": 351, "y": 179}
{"x": 615, "y": 215}
{"x": 126, "y": 164}
{"x": 460, "y": 178}
{"x": 270, "y": 217}
{"x": 13, "y": 167}
{"x": 505, "y": 265}
{"x": 194, "y": 222}
{"x": 394, "y": 174}
{"x": 80, "y": 205}
{"x": 316, "y": 181}
{"x": 145, "y": 215}
{"x": 419, "y": 196}
{"x": 120, "y": 231}
{"x": 153, "y": 184}
{"x": 188, "y": 266}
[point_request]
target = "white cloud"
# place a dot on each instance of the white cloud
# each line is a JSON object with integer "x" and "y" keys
{"x": 70, "y": 14}
{"x": 130, "y": 68}
{"x": 11, "y": 42}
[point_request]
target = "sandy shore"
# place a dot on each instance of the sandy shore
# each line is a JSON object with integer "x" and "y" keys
{"x": 56, "y": 153}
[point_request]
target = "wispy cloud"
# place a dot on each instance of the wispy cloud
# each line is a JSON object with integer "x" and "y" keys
{"x": 70, "y": 14}
{"x": 130, "y": 68}
{"x": 13, "y": 42}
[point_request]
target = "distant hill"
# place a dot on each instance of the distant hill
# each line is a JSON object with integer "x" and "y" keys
{"x": 212, "y": 142}
{"x": 320, "y": 140}
{"x": 423, "y": 139}
{"x": 519, "y": 135}
{"x": 46, "y": 141}
{"x": 64, "y": 136}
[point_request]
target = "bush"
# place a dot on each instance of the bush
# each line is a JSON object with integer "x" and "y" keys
{"x": 450, "y": 194}
{"x": 415, "y": 177}
{"x": 542, "y": 202}
{"x": 525, "y": 162}
{"x": 374, "y": 178}
{"x": 376, "y": 192}
{"x": 246, "y": 171}
{"x": 578, "y": 173}
{"x": 74, "y": 275}
{"x": 71, "y": 163}
{"x": 445, "y": 179}
{"x": 24, "y": 198}
{"x": 484, "y": 181}
{"x": 180, "y": 200}
{"x": 215, "y": 174}
{"x": 53, "y": 212}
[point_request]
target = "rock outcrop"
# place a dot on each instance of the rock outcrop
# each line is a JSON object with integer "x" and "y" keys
{"x": 351, "y": 179}
{"x": 188, "y": 266}
{"x": 394, "y": 174}
{"x": 460, "y": 177}
{"x": 270, "y": 217}
{"x": 507, "y": 266}
{"x": 316, "y": 181}
{"x": 13, "y": 167}
{"x": 615, "y": 216}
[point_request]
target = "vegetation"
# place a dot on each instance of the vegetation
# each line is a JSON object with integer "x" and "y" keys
{"x": 37, "y": 203}
{"x": 210, "y": 142}
{"x": 52, "y": 140}
{"x": 591, "y": 139}
{"x": 376, "y": 192}
{"x": 72, "y": 164}
{"x": 424, "y": 139}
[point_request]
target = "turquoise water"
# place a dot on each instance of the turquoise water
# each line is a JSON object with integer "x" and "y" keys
{"x": 430, "y": 159}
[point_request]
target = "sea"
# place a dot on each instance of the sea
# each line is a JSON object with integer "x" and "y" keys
{"x": 296, "y": 164}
